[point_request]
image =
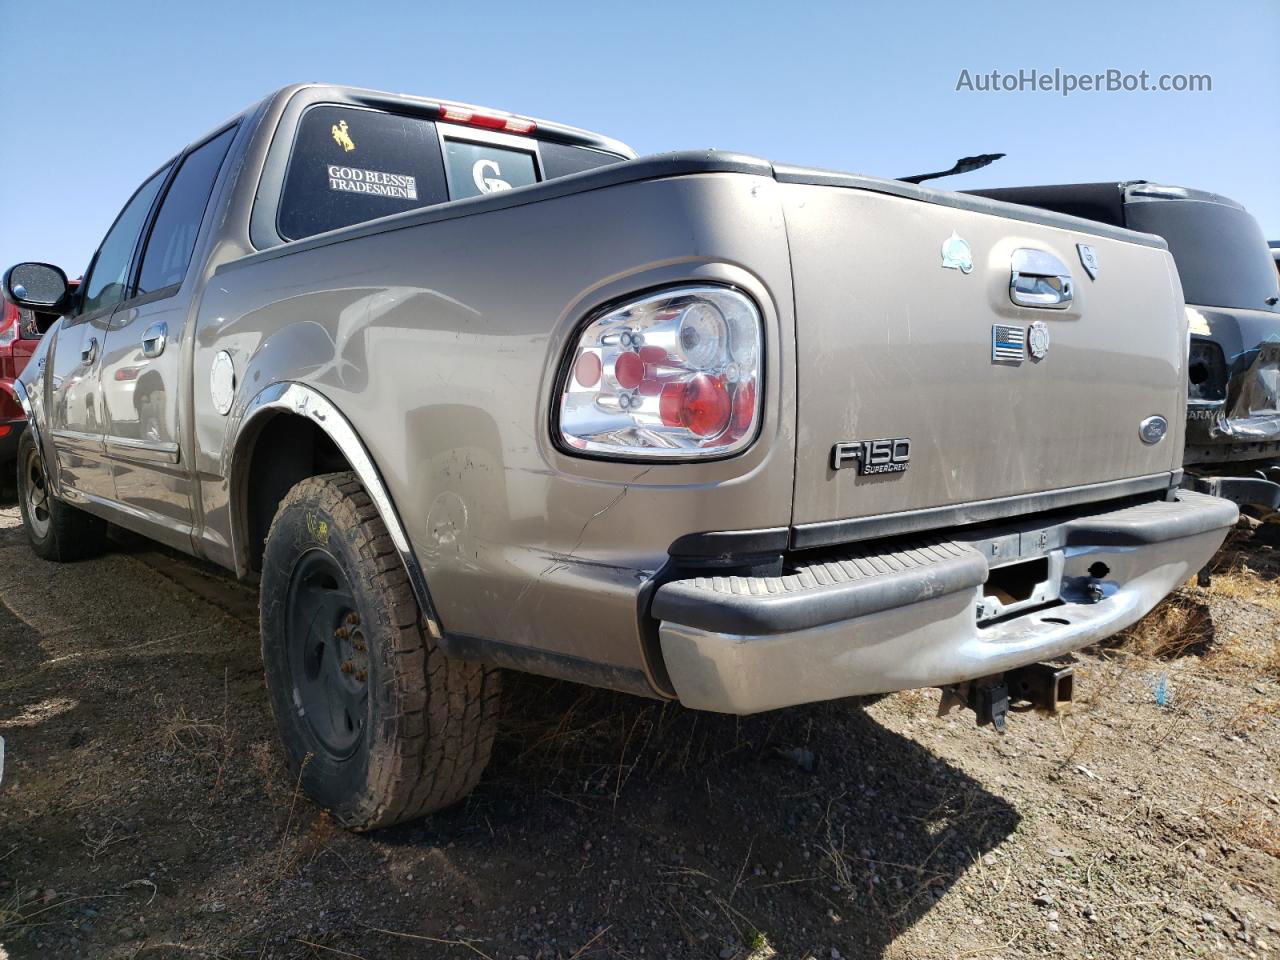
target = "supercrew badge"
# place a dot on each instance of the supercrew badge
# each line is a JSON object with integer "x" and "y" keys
{"x": 872, "y": 456}
{"x": 356, "y": 180}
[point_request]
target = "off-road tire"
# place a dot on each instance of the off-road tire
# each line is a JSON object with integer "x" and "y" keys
{"x": 429, "y": 721}
{"x": 56, "y": 531}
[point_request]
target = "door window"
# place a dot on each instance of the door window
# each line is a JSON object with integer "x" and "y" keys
{"x": 105, "y": 285}
{"x": 173, "y": 237}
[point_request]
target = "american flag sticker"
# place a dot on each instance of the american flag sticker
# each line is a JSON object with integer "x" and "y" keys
{"x": 1008, "y": 343}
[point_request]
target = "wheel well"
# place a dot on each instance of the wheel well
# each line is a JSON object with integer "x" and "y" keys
{"x": 286, "y": 450}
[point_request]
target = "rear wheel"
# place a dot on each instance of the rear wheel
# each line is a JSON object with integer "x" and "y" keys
{"x": 57, "y": 531}
{"x": 378, "y": 725}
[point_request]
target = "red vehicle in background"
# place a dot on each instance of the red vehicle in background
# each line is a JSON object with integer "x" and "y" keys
{"x": 20, "y": 333}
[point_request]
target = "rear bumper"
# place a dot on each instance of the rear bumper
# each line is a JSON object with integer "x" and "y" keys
{"x": 877, "y": 620}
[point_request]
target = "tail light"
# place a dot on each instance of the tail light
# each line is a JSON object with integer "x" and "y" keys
{"x": 9, "y": 325}
{"x": 675, "y": 375}
{"x": 486, "y": 120}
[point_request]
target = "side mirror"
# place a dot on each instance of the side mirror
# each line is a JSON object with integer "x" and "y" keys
{"x": 36, "y": 286}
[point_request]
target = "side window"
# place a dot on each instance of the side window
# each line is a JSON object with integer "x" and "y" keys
{"x": 350, "y": 165}
{"x": 104, "y": 287}
{"x": 475, "y": 169}
{"x": 173, "y": 237}
{"x": 561, "y": 159}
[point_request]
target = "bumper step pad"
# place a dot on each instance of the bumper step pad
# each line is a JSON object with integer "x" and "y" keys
{"x": 857, "y": 583}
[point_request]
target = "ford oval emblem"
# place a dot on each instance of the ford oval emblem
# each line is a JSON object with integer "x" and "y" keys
{"x": 1153, "y": 429}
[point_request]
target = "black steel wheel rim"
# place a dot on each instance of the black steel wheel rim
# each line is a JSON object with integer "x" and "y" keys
{"x": 327, "y": 654}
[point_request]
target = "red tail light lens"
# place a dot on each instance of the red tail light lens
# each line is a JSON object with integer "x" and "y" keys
{"x": 701, "y": 405}
{"x": 673, "y": 375}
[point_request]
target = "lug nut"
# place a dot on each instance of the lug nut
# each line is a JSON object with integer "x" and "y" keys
{"x": 341, "y": 633}
{"x": 362, "y": 676}
{"x": 353, "y": 618}
{"x": 348, "y": 666}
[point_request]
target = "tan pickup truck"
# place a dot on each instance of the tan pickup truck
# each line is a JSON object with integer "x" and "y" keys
{"x": 469, "y": 390}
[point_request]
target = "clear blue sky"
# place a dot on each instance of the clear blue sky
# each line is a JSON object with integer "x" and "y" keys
{"x": 96, "y": 95}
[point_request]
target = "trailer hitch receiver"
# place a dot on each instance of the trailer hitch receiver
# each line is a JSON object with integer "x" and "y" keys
{"x": 1040, "y": 686}
{"x": 1046, "y": 686}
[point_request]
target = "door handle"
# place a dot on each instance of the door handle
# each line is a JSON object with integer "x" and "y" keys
{"x": 90, "y": 352}
{"x": 154, "y": 339}
{"x": 1039, "y": 279}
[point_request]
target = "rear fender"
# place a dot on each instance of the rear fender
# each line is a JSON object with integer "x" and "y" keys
{"x": 304, "y": 401}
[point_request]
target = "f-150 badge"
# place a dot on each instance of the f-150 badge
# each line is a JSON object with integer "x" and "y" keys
{"x": 342, "y": 137}
{"x": 956, "y": 254}
{"x": 872, "y": 456}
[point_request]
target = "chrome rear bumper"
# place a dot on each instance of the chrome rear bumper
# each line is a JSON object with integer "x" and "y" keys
{"x": 870, "y": 621}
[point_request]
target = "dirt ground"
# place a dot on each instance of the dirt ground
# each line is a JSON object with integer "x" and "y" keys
{"x": 145, "y": 811}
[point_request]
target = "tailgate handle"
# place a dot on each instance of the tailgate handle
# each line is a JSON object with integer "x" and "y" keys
{"x": 1039, "y": 279}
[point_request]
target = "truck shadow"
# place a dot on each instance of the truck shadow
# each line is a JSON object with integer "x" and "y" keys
{"x": 677, "y": 833}
{"x": 815, "y": 826}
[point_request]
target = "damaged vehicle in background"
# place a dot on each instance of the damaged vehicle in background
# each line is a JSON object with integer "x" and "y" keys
{"x": 20, "y": 332}
{"x": 467, "y": 390}
{"x": 1232, "y": 291}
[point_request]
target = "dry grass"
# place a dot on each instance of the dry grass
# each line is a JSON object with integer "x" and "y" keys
{"x": 1182, "y": 625}
{"x": 1245, "y": 820}
{"x": 207, "y": 741}
{"x": 1179, "y": 627}
{"x": 10, "y": 916}
{"x": 1254, "y": 715}
{"x": 1239, "y": 581}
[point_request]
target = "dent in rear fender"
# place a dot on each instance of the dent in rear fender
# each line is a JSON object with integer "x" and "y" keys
{"x": 440, "y": 343}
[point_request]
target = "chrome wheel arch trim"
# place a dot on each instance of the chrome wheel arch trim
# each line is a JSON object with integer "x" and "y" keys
{"x": 24, "y": 401}
{"x": 304, "y": 401}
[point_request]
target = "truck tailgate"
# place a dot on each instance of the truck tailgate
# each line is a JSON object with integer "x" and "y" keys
{"x": 893, "y": 344}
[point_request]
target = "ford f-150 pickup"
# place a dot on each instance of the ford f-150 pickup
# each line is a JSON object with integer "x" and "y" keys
{"x": 467, "y": 390}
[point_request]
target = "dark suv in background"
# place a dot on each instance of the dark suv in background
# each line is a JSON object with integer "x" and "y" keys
{"x": 1230, "y": 284}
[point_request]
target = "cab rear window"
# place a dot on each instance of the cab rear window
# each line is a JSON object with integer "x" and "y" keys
{"x": 351, "y": 165}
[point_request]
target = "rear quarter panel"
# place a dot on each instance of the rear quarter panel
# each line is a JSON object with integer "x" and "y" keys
{"x": 441, "y": 343}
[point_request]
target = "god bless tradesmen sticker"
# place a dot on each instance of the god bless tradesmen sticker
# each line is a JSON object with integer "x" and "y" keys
{"x": 375, "y": 182}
